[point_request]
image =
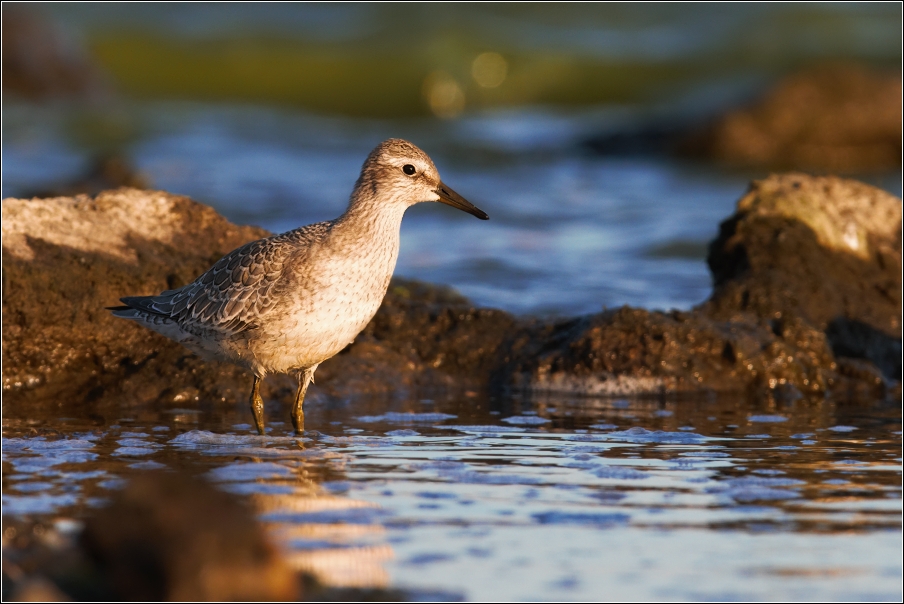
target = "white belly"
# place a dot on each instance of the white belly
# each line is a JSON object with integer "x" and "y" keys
{"x": 337, "y": 298}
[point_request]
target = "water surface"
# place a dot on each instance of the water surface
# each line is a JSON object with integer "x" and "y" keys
{"x": 518, "y": 499}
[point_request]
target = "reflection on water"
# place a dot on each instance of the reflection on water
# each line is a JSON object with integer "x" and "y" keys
{"x": 555, "y": 498}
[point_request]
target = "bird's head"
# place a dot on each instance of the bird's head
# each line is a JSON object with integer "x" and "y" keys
{"x": 397, "y": 171}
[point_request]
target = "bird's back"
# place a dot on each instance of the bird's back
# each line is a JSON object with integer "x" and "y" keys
{"x": 275, "y": 304}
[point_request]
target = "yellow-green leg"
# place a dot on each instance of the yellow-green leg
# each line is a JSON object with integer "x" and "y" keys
{"x": 257, "y": 405}
{"x": 305, "y": 377}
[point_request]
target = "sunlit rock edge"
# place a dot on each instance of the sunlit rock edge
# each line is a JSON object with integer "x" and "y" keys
{"x": 807, "y": 301}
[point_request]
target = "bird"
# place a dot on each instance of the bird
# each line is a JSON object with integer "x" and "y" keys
{"x": 286, "y": 303}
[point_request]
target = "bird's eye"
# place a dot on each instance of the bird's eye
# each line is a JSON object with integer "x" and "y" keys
{"x": 408, "y": 169}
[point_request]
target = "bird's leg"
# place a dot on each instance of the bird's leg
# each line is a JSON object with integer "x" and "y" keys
{"x": 305, "y": 377}
{"x": 257, "y": 405}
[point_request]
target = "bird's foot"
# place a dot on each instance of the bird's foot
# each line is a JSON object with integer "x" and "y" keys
{"x": 257, "y": 406}
{"x": 298, "y": 421}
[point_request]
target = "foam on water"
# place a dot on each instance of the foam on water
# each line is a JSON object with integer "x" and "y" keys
{"x": 765, "y": 419}
{"x": 245, "y": 471}
{"x": 422, "y": 508}
{"x": 406, "y": 418}
{"x": 642, "y": 435}
{"x": 529, "y": 420}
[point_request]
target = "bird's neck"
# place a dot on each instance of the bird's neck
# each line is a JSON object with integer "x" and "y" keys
{"x": 369, "y": 221}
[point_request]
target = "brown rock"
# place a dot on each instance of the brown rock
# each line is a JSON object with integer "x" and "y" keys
{"x": 39, "y": 61}
{"x": 807, "y": 287}
{"x": 177, "y": 538}
{"x": 822, "y": 251}
{"x": 65, "y": 259}
{"x": 835, "y": 117}
{"x": 807, "y": 299}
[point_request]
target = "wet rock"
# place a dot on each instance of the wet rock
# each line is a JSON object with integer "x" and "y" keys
{"x": 40, "y": 61}
{"x": 174, "y": 537}
{"x": 65, "y": 259}
{"x": 820, "y": 253}
{"x": 806, "y": 300}
{"x": 654, "y": 138}
{"x": 834, "y": 117}
{"x": 807, "y": 281}
{"x": 166, "y": 536}
{"x": 635, "y": 351}
{"x": 38, "y": 589}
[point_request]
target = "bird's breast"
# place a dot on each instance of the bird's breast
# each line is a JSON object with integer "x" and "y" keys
{"x": 331, "y": 300}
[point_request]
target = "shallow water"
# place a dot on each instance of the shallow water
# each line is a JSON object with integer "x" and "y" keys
{"x": 515, "y": 499}
{"x": 511, "y": 499}
{"x": 569, "y": 232}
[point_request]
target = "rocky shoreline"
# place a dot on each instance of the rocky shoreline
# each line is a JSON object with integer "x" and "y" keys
{"x": 807, "y": 301}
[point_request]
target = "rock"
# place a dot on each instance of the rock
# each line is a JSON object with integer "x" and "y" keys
{"x": 807, "y": 280}
{"x": 110, "y": 170}
{"x": 38, "y": 589}
{"x": 40, "y": 61}
{"x": 806, "y": 300}
{"x": 816, "y": 252}
{"x": 65, "y": 259}
{"x": 834, "y": 117}
{"x": 174, "y": 537}
{"x": 840, "y": 117}
{"x": 634, "y": 351}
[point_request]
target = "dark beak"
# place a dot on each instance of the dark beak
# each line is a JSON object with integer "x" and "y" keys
{"x": 451, "y": 198}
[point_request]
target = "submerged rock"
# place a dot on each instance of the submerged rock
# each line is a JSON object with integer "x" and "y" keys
{"x": 842, "y": 117}
{"x": 174, "y": 537}
{"x": 806, "y": 300}
{"x": 836, "y": 116}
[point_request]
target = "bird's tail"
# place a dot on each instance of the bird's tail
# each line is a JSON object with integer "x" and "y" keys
{"x": 123, "y": 312}
{"x": 136, "y": 308}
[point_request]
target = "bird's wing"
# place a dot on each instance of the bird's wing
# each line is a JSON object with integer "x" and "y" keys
{"x": 233, "y": 295}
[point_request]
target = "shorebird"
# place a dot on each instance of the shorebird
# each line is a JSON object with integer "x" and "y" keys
{"x": 286, "y": 303}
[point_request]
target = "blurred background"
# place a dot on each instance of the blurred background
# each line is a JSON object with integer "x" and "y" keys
{"x": 606, "y": 141}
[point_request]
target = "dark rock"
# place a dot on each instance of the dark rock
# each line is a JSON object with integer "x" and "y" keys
{"x": 177, "y": 538}
{"x": 807, "y": 299}
{"x": 644, "y": 140}
{"x": 40, "y": 61}
{"x": 834, "y": 117}
{"x": 819, "y": 253}
{"x": 65, "y": 259}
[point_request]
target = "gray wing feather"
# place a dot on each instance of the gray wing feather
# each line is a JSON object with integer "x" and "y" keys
{"x": 233, "y": 295}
